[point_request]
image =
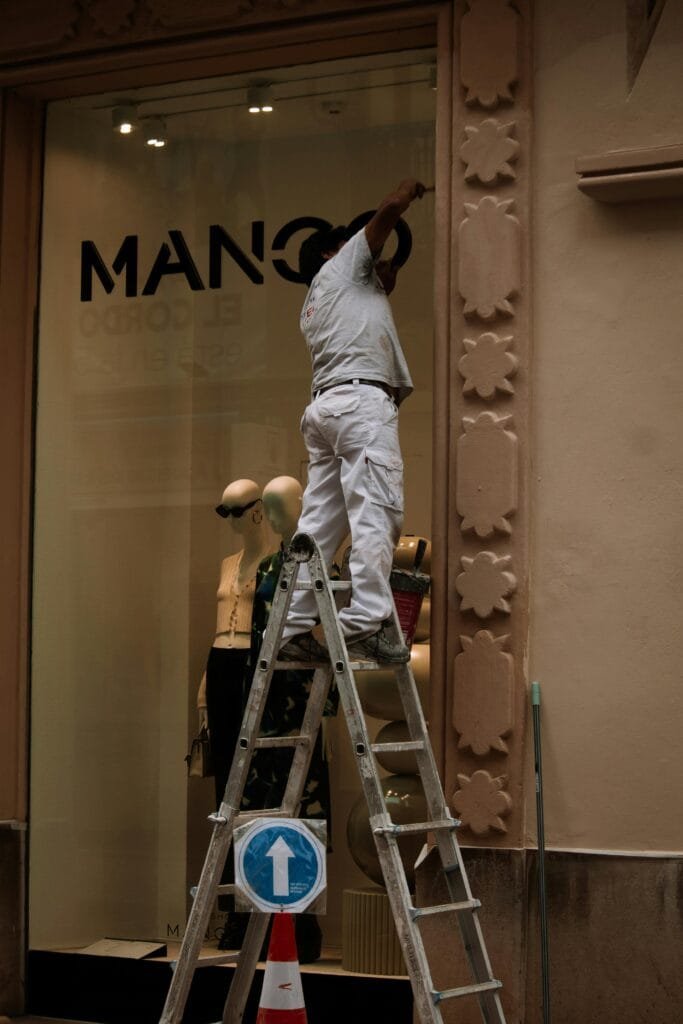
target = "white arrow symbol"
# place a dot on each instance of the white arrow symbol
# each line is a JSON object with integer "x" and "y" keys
{"x": 281, "y": 855}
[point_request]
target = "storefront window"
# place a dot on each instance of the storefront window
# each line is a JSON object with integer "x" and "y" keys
{"x": 170, "y": 364}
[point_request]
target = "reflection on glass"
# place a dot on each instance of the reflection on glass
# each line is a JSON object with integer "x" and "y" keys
{"x": 170, "y": 363}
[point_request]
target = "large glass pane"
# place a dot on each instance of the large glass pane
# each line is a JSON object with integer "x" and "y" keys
{"x": 170, "y": 363}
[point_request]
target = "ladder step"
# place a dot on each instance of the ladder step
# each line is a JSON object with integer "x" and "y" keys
{"x": 299, "y": 666}
{"x": 416, "y": 826}
{"x": 219, "y": 958}
{"x": 444, "y": 908}
{"x": 267, "y": 742}
{"x": 398, "y": 748}
{"x": 466, "y": 990}
{"x": 221, "y": 890}
{"x": 334, "y": 585}
{"x": 244, "y": 817}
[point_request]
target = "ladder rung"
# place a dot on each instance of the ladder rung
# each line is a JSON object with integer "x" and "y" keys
{"x": 416, "y": 826}
{"x": 466, "y": 990}
{"x": 399, "y": 748}
{"x": 218, "y": 958}
{"x": 221, "y": 890}
{"x": 299, "y": 666}
{"x": 444, "y": 908}
{"x": 244, "y": 817}
{"x": 334, "y": 585}
{"x": 266, "y": 742}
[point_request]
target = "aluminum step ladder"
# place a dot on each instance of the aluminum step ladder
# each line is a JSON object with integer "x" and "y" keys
{"x": 440, "y": 823}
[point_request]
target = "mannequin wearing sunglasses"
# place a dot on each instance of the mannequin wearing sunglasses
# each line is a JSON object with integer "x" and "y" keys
{"x": 223, "y": 688}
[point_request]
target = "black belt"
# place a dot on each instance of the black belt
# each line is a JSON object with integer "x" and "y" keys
{"x": 386, "y": 388}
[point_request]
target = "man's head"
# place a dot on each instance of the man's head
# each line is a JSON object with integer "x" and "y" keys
{"x": 318, "y": 248}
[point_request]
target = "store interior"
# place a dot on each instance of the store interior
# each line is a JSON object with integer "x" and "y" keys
{"x": 170, "y": 363}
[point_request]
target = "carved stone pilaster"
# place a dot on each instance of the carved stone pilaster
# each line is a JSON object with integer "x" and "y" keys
{"x": 488, "y": 550}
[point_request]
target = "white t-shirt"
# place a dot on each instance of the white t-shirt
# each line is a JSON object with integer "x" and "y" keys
{"x": 347, "y": 323}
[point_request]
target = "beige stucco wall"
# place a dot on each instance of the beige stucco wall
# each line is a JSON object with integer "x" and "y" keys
{"x": 607, "y": 473}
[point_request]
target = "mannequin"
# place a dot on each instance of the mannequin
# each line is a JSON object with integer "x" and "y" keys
{"x": 286, "y": 703}
{"x": 282, "y": 499}
{"x": 222, "y": 691}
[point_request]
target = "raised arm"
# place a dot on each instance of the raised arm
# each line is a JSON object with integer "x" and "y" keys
{"x": 390, "y": 209}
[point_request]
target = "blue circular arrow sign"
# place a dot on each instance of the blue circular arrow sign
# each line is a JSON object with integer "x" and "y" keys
{"x": 279, "y": 864}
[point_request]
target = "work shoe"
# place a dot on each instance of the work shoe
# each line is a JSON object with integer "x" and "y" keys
{"x": 303, "y": 647}
{"x": 378, "y": 647}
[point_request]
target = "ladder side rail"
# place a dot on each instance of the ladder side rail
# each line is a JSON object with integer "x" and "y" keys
{"x": 221, "y": 836}
{"x": 243, "y": 976}
{"x": 410, "y": 939}
{"x": 449, "y": 849}
{"x": 450, "y": 854}
{"x": 260, "y": 686}
{"x": 240, "y": 986}
{"x": 310, "y": 727}
{"x": 400, "y": 900}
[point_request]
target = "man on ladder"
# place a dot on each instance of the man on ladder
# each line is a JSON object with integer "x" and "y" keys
{"x": 355, "y": 481}
{"x": 355, "y": 473}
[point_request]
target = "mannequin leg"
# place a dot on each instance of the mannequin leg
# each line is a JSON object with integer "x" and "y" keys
{"x": 225, "y": 673}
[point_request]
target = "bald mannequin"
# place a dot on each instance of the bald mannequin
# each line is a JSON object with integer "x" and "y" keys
{"x": 282, "y": 498}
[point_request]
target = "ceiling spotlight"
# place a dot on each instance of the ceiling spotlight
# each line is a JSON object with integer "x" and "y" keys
{"x": 259, "y": 98}
{"x": 155, "y": 132}
{"x": 124, "y": 117}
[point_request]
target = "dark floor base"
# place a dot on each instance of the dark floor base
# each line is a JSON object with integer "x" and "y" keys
{"x": 116, "y": 991}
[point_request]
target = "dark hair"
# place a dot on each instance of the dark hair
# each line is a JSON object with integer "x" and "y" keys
{"x": 311, "y": 256}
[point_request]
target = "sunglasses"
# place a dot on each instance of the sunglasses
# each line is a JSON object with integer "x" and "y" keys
{"x": 238, "y": 511}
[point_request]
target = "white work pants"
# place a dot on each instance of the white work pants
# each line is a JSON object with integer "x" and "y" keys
{"x": 355, "y": 482}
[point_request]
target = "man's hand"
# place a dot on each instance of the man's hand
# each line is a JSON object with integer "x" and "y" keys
{"x": 412, "y": 187}
{"x": 385, "y": 219}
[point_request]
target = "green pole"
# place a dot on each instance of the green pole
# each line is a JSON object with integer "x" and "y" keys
{"x": 540, "y": 826}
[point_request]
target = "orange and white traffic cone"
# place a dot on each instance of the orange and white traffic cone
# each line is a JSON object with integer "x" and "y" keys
{"x": 282, "y": 997}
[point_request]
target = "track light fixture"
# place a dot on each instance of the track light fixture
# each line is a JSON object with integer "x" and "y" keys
{"x": 155, "y": 132}
{"x": 124, "y": 117}
{"x": 259, "y": 98}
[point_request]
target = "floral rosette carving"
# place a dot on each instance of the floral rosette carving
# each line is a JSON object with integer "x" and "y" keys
{"x": 481, "y": 802}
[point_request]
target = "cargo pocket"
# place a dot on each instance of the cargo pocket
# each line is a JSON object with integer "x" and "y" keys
{"x": 338, "y": 404}
{"x": 385, "y": 473}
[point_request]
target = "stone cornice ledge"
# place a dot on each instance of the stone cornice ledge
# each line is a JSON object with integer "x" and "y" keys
{"x": 632, "y": 175}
